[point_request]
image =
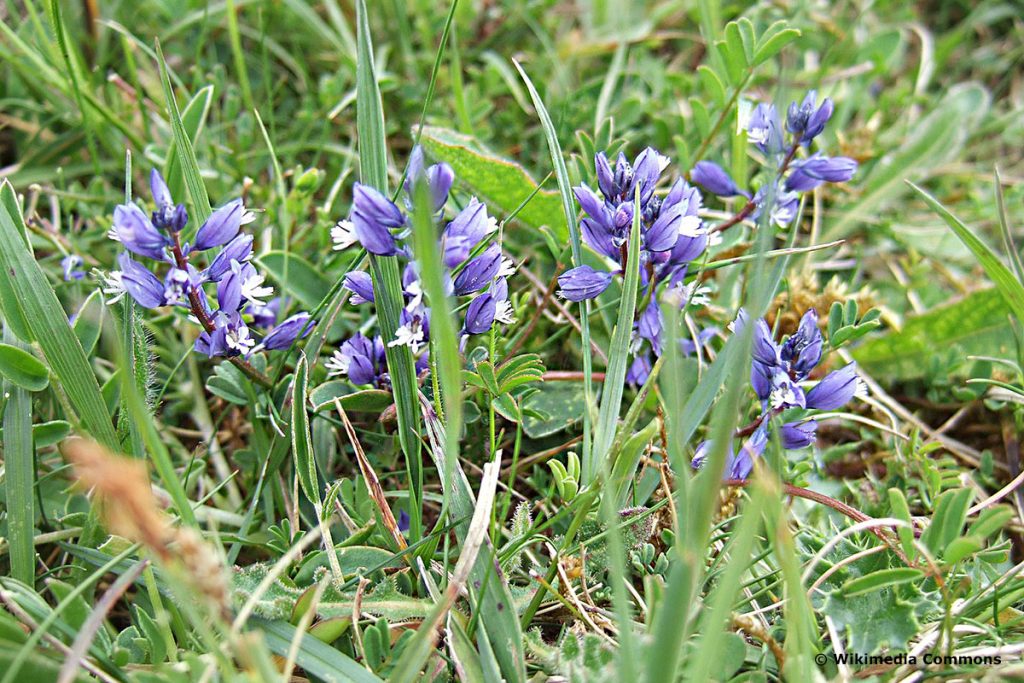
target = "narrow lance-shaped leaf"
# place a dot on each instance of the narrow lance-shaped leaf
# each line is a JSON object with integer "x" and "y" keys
{"x": 384, "y": 270}
{"x": 575, "y": 240}
{"x": 615, "y": 378}
{"x": 19, "y": 476}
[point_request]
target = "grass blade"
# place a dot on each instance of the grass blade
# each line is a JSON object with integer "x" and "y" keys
{"x": 588, "y": 470}
{"x": 19, "y": 475}
{"x": 387, "y": 283}
{"x": 444, "y": 350}
{"x": 1009, "y": 287}
{"x": 618, "y": 361}
{"x": 48, "y": 324}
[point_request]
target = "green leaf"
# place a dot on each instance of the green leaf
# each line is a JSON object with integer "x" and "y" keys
{"x": 948, "y": 520}
{"x": 711, "y": 83}
{"x": 19, "y": 474}
{"x": 22, "y": 368}
{"x": 34, "y": 298}
{"x": 315, "y": 657}
{"x": 353, "y": 401}
{"x": 1005, "y": 281}
{"x": 976, "y": 324}
{"x": 193, "y": 118}
{"x": 893, "y": 622}
{"x": 775, "y": 37}
{"x": 501, "y": 183}
{"x": 990, "y": 521}
{"x": 615, "y": 377}
{"x": 575, "y": 241}
{"x": 900, "y": 510}
{"x": 186, "y": 153}
{"x": 961, "y": 547}
{"x": 627, "y": 461}
{"x": 883, "y": 578}
{"x": 387, "y": 283}
{"x": 302, "y": 443}
{"x": 89, "y": 321}
{"x": 296, "y": 276}
{"x": 557, "y": 406}
{"x": 935, "y": 139}
{"x": 13, "y": 315}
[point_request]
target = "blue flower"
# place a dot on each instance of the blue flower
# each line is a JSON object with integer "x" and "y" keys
{"x": 239, "y": 249}
{"x": 469, "y": 227}
{"x": 715, "y": 180}
{"x": 835, "y": 390}
{"x": 360, "y": 284}
{"x": 439, "y": 178}
{"x": 738, "y": 465}
{"x": 816, "y": 169}
{"x": 240, "y": 288}
{"x": 583, "y": 282}
{"x": 283, "y": 335}
{"x": 479, "y": 272}
{"x": 221, "y": 227}
{"x": 168, "y": 215}
{"x": 136, "y": 232}
{"x": 362, "y": 360}
{"x": 230, "y": 337}
{"x": 764, "y": 129}
{"x": 807, "y": 120}
{"x": 71, "y": 265}
{"x": 141, "y": 284}
{"x": 480, "y": 314}
{"x": 777, "y": 371}
{"x": 797, "y": 435}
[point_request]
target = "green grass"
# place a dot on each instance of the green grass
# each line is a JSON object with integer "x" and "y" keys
{"x": 629, "y": 564}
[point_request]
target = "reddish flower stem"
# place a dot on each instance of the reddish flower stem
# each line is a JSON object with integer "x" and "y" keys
{"x": 199, "y": 311}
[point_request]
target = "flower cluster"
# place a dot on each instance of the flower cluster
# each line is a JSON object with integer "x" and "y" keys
{"x": 474, "y": 268}
{"x": 777, "y": 372}
{"x": 804, "y": 122}
{"x": 671, "y": 236}
{"x": 240, "y": 290}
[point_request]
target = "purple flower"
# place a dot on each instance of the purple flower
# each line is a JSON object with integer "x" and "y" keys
{"x": 835, "y": 390}
{"x": 802, "y": 351}
{"x": 137, "y": 233}
{"x": 439, "y": 178}
{"x": 229, "y": 290}
{"x": 811, "y": 172}
{"x": 375, "y": 207}
{"x": 141, "y": 284}
{"x": 583, "y": 282}
{"x": 737, "y": 465}
{"x": 265, "y": 315}
{"x": 666, "y": 230}
{"x": 715, "y": 180}
{"x": 230, "y": 337}
{"x": 480, "y": 314}
{"x": 374, "y": 237}
{"x": 464, "y": 232}
{"x": 177, "y": 282}
{"x": 479, "y": 272}
{"x": 221, "y": 227}
{"x": 361, "y": 359}
{"x": 239, "y": 249}
{"x": 650, "y": 325}
{"x": 360, "y": 284}
{"x": 639, "y": 369}
{"x": 283, "y": 335}
{"x": 764, "y": 129}
{"x": 797, "y": 435}
{"x": 807, "y": 120}
{"x": 71, "y": 264}
{"x": 167, "y": 216}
